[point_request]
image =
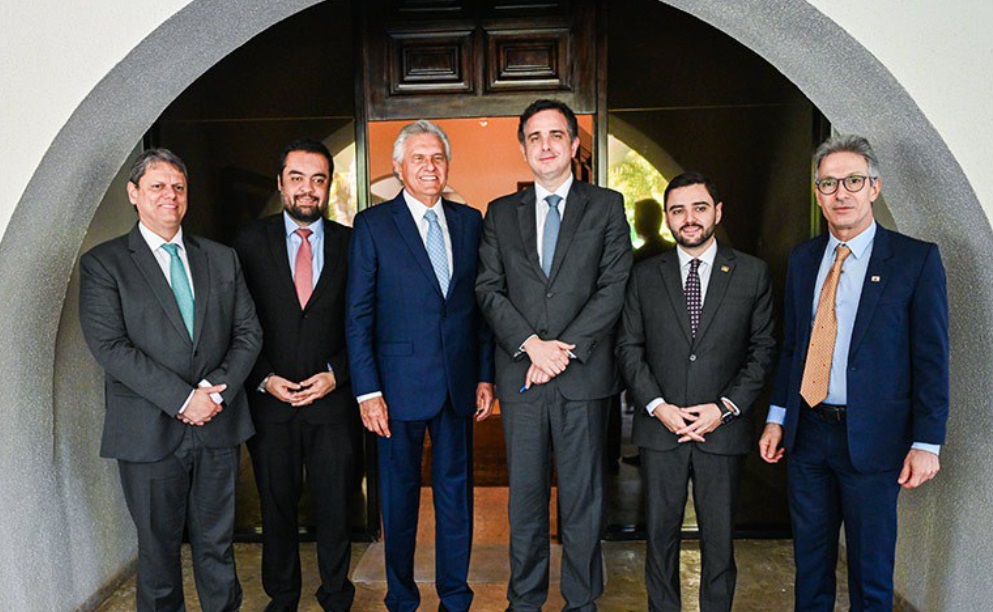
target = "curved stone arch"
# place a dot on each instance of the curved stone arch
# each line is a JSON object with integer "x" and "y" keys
{"x": 47, "y": 226}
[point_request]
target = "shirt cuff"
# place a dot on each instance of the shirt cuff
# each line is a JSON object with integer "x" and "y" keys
{"x": 187, "y": 402}
{"x": 931, "y": 448}
{"x": 731, "y": 405}
{"x": 652, "y": 405}
{"x": 777, "y": 415}
{"x": 214, "y": 396}
{"x": 368, "y": 396}
{"x": 520, "y": 349}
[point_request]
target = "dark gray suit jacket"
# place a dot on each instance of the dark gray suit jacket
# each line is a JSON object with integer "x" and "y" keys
{"x": 580, "y": 302}
{"x": 730, "y": 357}
{"x": 134, "y": 329}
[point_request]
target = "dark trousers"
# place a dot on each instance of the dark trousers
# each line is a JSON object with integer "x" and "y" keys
{"x": 451, "y": 483}
{"x": 534, "y": 430}
{"x": 281, "y": 453}
{"x": 716, "y": 481}
{"x": 825, "y": 491}
{"x": 194, "y": 486}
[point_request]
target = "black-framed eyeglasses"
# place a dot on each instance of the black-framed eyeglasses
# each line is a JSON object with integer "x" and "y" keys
{"x": 853, "y": 183}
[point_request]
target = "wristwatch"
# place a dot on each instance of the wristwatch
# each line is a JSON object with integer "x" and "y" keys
{"x": 727, "y": 414}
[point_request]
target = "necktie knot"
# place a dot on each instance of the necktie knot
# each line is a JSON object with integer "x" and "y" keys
{"x": 304, "y": 233}
{"x": 171, "y": 248}
{"x": 431, "y": 216}
{"x": 553, "y": 201}
{"x": 694, "y": 265}
{"x": 841, "y": 252}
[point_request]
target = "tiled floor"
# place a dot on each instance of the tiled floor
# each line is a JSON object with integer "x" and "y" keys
{"x": 765, "y": 570}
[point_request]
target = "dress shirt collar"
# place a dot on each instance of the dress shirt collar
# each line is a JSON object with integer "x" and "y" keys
{"x": 540, "y": 193}
{"x": 418, "y": 208}
{"x": 291, "y": 225}
{"x": 155, "y": 241}
{"x": 858, "y": 244}
{"x": 706, "y": 257}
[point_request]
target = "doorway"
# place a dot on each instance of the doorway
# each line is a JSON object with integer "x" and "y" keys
{"x": 719, "y": 109}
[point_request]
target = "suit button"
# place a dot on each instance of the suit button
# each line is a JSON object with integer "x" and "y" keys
{"x": 692, "y": 357}
{"x": 548, "y": 295}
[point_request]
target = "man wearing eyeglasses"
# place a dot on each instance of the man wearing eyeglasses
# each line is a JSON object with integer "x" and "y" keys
{"x": 861, "y": 392}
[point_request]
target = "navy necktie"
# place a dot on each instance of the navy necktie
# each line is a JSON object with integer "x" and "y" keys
{"x": 550, "y": 234}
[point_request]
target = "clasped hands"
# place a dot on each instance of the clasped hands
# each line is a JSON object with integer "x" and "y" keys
{"x": 690, "y": 423}
{"x": 303, "y": 393}
{"x": 201, "y": 408}
{"x": 549, "y": 358}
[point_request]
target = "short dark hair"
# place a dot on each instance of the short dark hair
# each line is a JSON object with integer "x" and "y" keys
{"x": 155, "y": 155}
{"x": 545, "y": 104}
{"x": 307, "y": 145}
{"x": 692, "y": 178}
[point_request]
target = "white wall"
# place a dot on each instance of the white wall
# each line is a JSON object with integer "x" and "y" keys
{"x": 941, "y": 52}
{"x": 52, "y": 53}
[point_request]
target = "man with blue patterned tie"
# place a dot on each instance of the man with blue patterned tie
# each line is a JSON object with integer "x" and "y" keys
{"x": 169, "y": 318}
{"x": 861, "y": 396}
{"x": 554, "y": 262}
{"x": 421, "y": 360}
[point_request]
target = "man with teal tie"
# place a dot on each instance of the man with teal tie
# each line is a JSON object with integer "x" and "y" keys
{"x": 170, "y": 320}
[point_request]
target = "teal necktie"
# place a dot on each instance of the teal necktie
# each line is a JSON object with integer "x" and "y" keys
{"x": 180, "y": 285}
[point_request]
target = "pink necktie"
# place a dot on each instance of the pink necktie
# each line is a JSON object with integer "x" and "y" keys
{"x": 304, "y": 276}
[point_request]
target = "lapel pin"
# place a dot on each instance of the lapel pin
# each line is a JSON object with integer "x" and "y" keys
{"x": 725, "y": 269}
{"x": 874, "y": 279}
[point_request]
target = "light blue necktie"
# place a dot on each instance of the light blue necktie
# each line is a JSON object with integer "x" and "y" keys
{"x": 180, "y": 285}
{"x": 436, "y": 251}
{"x": 550, "y": 235}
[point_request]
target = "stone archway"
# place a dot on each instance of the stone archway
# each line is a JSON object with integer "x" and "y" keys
{"x": 46, "y": 229}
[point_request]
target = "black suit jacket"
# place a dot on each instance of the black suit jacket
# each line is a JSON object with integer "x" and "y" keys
{"x": 579, "y": 304}
{"x": 730, "y": 356}
{"x": 134, "y": 329}
{"x": 298, "y": 342}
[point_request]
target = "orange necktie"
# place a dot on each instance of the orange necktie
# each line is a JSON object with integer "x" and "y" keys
{"x": 817, "y": 370}
{"x": 303, "y": 273}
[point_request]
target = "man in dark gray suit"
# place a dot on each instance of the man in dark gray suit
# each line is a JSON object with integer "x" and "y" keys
{"x": 695, "y": 347}
{"x": 169, "y": 319}
{"x": 553, "y": 263}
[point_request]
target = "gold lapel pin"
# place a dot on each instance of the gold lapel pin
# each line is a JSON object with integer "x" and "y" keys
{"x": 874, "y": 279}
{"x": 725, "y": 269}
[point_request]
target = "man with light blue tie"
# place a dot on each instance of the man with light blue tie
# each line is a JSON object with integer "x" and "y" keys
{"x": 861, "y": 392}
{"x": 554, "y": 262}
{"x": 421, "y": 360}
{"x": 169, "y": 318}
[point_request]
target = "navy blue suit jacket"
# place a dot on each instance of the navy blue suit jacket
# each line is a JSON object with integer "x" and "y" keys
{"x": 405, "y": 338}
{"x": 898, "y": 360}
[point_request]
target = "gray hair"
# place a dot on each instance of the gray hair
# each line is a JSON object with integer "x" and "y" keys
{"x": 422, "y": 126}
{"x": 847, "y": 143}
{"x": 155, "y": 156}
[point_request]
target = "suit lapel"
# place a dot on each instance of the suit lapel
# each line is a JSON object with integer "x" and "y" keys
{"x": 576, "y": 207}
{"x": 673, "y": 282}
{"x": 808, "y": 265}
{"x": 720, "y": 278}
{"x": 456, "y": 231}
{"x": 145, "y": 262}
{"x": 407, "y": 228}
{"x": 200, "y": 271}
{"x": 276, "y": 237}
{"x": 330, "y": 264}
{"x": 879, "y": 267}
{"x": 529, "y": 230}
